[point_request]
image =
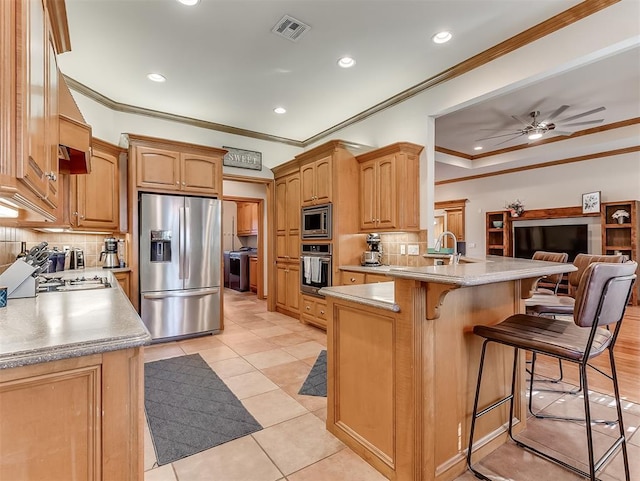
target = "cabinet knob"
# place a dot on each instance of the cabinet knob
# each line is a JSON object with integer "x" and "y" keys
{"x": 184, "y": 183}
{"x": 51, "y": 176}
{"x": 177, "y": 182}
{"x": 322, "y": 312}
{"x": 353, "y": 279}
{"x": 308, "y": 308}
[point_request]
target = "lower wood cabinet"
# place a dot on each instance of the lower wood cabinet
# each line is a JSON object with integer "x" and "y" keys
{"x": 253, "y": 274}
{"x": 351, "y": 277}
{"x": 314, "y": 311}
{"x": 288, "y": 288}
{"x": 77, "y": 418}
{"x": 124, "y": 279}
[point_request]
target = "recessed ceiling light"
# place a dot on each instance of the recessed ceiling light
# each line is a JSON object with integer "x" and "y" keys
{"x": 156, "y": 77}
{"x": 477, "y": 147}
{"x": 189, "y": 3}
{"x": 280, "y": 110}
{"x": 346, "y": 62}
{"x": 441, "y": 37}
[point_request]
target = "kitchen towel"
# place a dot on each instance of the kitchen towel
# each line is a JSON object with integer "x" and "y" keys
{"x": 190, "y": 409}
{"x": 316, "y": 382}
{"x": 306, "y": 264}
{"x": 316, "y": 270}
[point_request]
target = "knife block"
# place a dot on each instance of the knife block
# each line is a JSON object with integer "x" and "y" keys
{"x": 19, "y": 280}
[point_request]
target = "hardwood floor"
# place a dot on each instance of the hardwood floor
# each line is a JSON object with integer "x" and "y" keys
{"x": 627, "y": 355}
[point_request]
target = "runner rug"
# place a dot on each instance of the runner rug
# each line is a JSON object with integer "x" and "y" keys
{"x": 190, "y": 409}
{"x": 316, "y": 382}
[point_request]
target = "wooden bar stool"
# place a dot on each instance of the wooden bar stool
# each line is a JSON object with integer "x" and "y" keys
{"x": 603, "y": 293}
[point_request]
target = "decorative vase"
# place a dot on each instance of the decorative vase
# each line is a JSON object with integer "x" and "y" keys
{"x": 620, "y": 220}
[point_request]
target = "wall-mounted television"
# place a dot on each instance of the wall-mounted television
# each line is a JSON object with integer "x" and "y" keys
{"x": 572, "y": 239}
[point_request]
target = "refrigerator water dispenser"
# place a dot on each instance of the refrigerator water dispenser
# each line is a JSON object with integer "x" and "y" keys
{"x": 160, "y": 246}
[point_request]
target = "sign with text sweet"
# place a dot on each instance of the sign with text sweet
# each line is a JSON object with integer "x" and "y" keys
{"x": 244, "y": 159}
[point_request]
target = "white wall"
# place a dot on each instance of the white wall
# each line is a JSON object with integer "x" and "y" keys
{"x": 109, "y": 126}
{"x": 617, "y": 178}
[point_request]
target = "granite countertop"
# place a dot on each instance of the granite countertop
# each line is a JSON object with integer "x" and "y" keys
{"x": 370, "y": 269}
{"x": 473, "y": 272}
{"x": 379, "y": 294}
{"x": 60, "y": 325}
{"x": 492, "y": 269}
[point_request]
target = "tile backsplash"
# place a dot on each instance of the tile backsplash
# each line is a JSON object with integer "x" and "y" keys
{"x": 391, "y": 243}
{"x": 12, "y": 237}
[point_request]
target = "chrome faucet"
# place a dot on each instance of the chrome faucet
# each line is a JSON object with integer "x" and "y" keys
{"x": 455, "y": 257}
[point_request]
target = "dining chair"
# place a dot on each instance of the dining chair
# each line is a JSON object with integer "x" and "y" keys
{"x": 601, "y": 299}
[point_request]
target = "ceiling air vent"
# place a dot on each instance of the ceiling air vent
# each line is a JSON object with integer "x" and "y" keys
{"x": 290, "y": 28}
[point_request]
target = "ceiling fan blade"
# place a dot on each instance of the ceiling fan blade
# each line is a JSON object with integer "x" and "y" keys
{"x": 560, "y": 109}
{"x": 586, "y": 122}
{"x": 526, "y": 124}
{"x": 514, "y": 137}
{"x": 501, "y": 135}
{"x": 584, "y": 114}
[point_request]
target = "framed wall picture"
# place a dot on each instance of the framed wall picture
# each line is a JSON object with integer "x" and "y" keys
{"x": 591, "y": 203}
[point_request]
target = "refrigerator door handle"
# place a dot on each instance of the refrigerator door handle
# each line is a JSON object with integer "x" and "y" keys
{"x": 190, "y": 293}
{"x": 187, "y": 237}
{"x": 181, "y": 244}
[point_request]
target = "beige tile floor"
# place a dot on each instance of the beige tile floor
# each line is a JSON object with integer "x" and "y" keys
{"x": 264, "y": 358}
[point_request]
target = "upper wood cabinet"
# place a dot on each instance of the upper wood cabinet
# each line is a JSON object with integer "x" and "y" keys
{"x": 175, "y": 166}
{"x": 247, "y": 218}
{"x": 95, "y": 196}
{"x": 29, "y": 107}
{"x": 316, "y": 181}
{"x": 389, "y": 188}
{"x": 287, "y": 190}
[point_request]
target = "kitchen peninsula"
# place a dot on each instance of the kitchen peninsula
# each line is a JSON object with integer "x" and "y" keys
{"x": 71, "y": 385}
{"x": 403, "y": 362}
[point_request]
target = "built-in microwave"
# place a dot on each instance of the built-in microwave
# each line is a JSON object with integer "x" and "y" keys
{"x": 316, "y": 222}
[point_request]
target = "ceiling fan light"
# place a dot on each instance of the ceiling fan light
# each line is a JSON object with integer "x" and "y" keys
{"x": 156, "y": 77}
{"x": 535, "y": 135}
{"x": 477, "y": 147}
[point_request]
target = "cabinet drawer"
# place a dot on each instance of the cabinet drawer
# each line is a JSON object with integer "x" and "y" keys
{"x": 373, "y": 278}
{"x": 349, "y": 278}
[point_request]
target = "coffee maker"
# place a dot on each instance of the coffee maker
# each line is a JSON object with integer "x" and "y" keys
{"x": 373, "y": 255}
{"x": 109, "y": 256}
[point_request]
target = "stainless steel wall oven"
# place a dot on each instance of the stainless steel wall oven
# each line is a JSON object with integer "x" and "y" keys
{"x": 315, "y": 267}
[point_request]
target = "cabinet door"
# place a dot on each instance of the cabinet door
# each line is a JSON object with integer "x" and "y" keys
{"x": 33, "y": 166}
{"x": 281, "y": 206}
{"x": 293, "y": 205}
{"x": 97, "y": 194}
{"x": 281, "y": 285}
{"x": 157, "y": 168}
{"x": 454, "y": 224}
{"x": 293, "y": 287}
{"x": 243, "y": 227}
{"x": 323, "y": 180}
{"x": 368, "y": 198}
{"x": 386, "y": 194}
{"x": 200, "y": 174}
{"x": 52, "y": 129}
{"x": 307, "y": 179}
{"x": 253, "y": 274}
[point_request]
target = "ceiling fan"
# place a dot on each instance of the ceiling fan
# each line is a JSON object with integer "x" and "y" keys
{"x": 535, "y": 128}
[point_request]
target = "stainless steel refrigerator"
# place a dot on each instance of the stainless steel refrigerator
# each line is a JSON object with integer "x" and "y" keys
{"x": 179, "y": 264}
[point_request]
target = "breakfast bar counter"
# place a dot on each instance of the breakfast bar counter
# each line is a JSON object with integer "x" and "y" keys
{"x": 71, "y": 385}
{"x": 402, "y": 363}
